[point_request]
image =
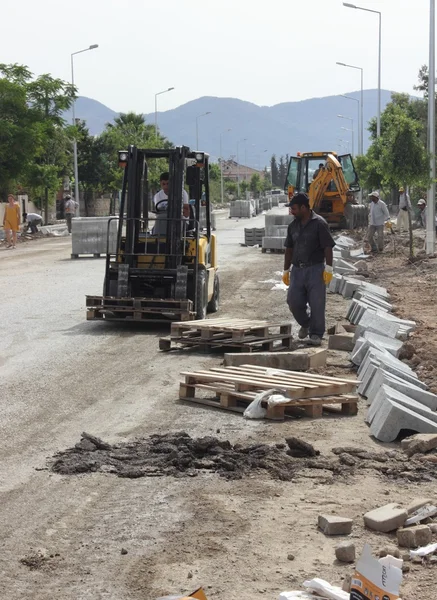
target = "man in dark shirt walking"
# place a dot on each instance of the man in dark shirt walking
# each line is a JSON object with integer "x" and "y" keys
{"x": 308, "y": 250}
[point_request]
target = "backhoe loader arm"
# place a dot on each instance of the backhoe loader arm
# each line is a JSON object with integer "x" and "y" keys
{"x": 332, "y": 171}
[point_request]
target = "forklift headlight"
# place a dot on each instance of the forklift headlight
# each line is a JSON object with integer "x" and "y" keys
{"x": 200, "y": 157}
{"x": 122, "y": 158}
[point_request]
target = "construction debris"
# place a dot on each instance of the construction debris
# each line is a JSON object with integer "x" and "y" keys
{"x": 386, "y": 518}
{"x": 345, "y": 552}
{"x": 334, "y": 525}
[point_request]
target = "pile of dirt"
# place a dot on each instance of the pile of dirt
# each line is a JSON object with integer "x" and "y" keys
{"x": 180, "y": 455}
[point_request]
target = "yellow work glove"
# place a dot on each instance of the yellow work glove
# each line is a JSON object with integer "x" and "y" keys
{"x": 389, "y": 225}
{"x": 327, "y": 275}
{"x": 286, "y": 277}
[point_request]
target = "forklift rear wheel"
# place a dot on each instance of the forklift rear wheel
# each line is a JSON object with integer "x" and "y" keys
{"x": 202, "y": 295}
{"x": 213, "y": 305}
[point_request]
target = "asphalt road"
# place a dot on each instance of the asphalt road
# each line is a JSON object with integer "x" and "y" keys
{"x": 61, "y": 375}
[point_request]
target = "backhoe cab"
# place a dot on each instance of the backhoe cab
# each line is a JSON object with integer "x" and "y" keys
{"x": 331, "y": 183}
{"x": 164, "y": 266}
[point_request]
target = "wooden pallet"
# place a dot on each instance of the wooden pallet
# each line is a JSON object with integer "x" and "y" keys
{"x": 224, "y": 397}
{"x": 235, "y": 387}
{"x": 88, "y": 255}
{"x": 273, "y": 250}
{"x": 138, "y": 309}
{"x": 235, "y": 329}
{"x": 277, "y": 343}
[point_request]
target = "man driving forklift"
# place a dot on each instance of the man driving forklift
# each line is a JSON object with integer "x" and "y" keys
{"x": 160, "y": 199}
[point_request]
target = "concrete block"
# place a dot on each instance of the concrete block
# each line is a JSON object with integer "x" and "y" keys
{"x": 334, "y": 525}
{"x": 409, "y": 325}
{"x": 343, "y": 271}
{"x": 372, "y": 322}
{"x": 392, "y": 417}
{"x": 350, "y": 286}
{"x": 386, "y": 392}
{"x": 89, "y": 235}
{"x": 374, "y": 300}
{"x": 419, "y": 443}
{"x": 345, "y": 253}
{"x": 345, "y": 552}
{"x": 335, "y": 283}
{"x": 273, "y": 243}
{"x": 344, "y": 264}
{"x": 341, "y": 341}
{"x": 414, "y": 537}
{"x": 299, "y": 360}
{"x": 417, "y": 503}
{"x": 376, "y": 289}
{"x": 392, "y": 345}
{"x": 381, "y": 377}
{"x": 386, "y": 518}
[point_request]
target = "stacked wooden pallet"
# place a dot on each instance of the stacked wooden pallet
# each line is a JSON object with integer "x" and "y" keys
{"x": 241, "y": 334}
{"x": 234, "y": 388}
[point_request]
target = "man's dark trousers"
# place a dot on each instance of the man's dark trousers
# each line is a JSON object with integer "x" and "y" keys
{"x": 307, "y": 287}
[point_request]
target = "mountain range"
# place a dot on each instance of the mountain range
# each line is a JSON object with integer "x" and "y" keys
{"x": 286, "y": 128}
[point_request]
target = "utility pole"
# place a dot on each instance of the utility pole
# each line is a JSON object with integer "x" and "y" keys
{"x": 430, "y": 208}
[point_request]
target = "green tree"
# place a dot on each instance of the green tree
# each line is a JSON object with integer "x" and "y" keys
{"x": 255, "y": 184}
{"x": 231, "y": 188}
{"x": 127, "y": 129}
{"x": 274, "y": 171}
{"x": 244, "y": 186}
{"x": 19, "y": 137}
{"x": 282, "y": 172}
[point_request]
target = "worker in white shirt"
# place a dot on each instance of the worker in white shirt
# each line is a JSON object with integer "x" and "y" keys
{"x": 70, "y": 207}
{"x": 404, "y": 208}
{"x": 159, "y": 199}
{"x": 378, "y": 216}
{"x": 31, "y": 221}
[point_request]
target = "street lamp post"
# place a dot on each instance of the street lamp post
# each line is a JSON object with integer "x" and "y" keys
{"x": 259, "y": 159}
{"x": 76, "y": 168}
{"x": 156, "y": 107}
{"x": 430, "y": 208}
{"x": 221, "y": 166}
{"x": 376, "y": 12}
{"x": 358, "y": 121}
{"x": 197, "y": 128}
{"x": 353, "y": 131}
{"x": 238, "y": 166}
{"x": 361, "y": 133}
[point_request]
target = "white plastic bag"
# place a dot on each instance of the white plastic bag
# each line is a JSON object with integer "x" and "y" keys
{"x": 272, "y": 397}
{"x": 325, "y": 589}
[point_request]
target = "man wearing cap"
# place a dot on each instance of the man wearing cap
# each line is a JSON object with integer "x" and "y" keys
{"x": 308, "y": 250}
{"x": 378, "y": 216}
{"x": 404, "y": 207}
{"x": 421, "y": 205}
{"x": 70, "y": 207}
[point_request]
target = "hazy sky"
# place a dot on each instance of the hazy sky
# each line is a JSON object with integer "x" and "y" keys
{"x": 264, "y": 52}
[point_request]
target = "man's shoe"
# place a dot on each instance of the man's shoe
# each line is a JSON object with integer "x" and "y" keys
{"x": 303, "y": 333}
{"x": 315, "y": 340}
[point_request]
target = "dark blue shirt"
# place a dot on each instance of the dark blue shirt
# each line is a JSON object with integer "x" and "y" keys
{"x": 309, "y": 241}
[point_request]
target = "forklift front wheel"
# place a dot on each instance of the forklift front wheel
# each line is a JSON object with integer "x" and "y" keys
{"x": 202, "y": 295}
{"x": 213, "y": 304}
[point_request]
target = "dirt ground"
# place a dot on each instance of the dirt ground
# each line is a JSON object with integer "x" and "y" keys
{"x": 100, "y": 536}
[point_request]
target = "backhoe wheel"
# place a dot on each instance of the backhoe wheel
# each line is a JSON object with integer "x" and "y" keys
{"x": 213, "y": 305}
{"x": 201, "y": 294}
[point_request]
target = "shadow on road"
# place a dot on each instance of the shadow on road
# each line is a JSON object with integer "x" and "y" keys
{"x": 117, "y": 328}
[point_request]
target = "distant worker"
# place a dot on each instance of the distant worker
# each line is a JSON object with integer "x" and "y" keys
{"x": 317, "y": 171}
{"x": 31, "y": 221}
{"x": 404, "y": 207}
{"x": 11, "y": 221}
{"x": 378, "y": 216}
{"x": 421, "y": 205}
{"x": 163, "y": 195}
{"x": 70, "y": 208}
{"x": 308, "y": 249}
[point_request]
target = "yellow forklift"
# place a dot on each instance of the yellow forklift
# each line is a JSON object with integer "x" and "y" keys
{"x": 164, "y": 265}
